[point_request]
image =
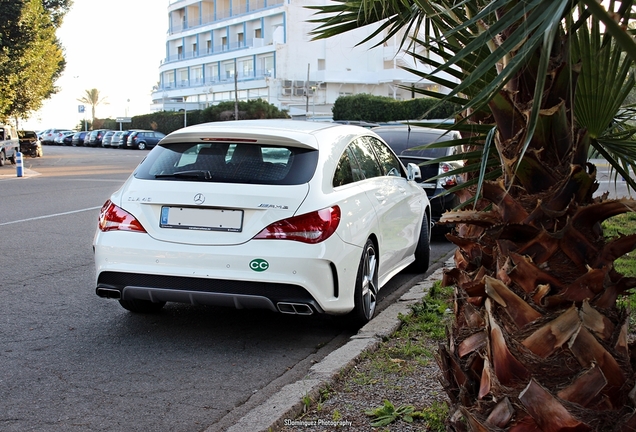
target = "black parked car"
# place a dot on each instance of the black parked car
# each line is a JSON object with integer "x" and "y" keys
{"x": 67, "y": 139}
{"x": 144, "y": 139}
{"x": 94, "y": 139}
{"x": 78, "y": 138}
{"x": 402, "y": 139}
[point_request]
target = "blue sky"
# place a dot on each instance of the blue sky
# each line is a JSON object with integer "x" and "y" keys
{"x": 115, "y": 46}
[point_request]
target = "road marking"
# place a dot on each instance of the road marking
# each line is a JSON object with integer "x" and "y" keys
{"x": 50, "y": 216}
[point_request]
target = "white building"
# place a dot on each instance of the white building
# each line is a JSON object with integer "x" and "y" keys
{"x": 267, "y": 43}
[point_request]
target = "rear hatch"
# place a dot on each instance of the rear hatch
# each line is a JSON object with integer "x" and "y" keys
{"x": 217, "y": 193}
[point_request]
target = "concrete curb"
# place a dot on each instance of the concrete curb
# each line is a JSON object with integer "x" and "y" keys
{"x": 287, "y": 404}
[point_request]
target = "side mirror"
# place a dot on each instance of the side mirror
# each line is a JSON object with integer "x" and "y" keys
{"x": 413, "y": 172}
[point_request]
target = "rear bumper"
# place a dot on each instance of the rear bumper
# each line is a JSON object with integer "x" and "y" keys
{"x": 136, "y": 266}
{"x": 199, "y": 291}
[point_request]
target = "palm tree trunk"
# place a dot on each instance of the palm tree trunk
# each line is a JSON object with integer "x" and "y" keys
{"x": 538, "y": 342}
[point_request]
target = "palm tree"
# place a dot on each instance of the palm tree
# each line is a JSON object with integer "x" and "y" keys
{"x": 538, "y": 340}
{"x": 91, "y": 97}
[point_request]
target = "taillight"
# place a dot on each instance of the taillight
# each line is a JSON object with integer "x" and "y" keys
{"x": 446, "y": 181}
{"x": 313, "y": 227}
{"x": 113, "y": 218}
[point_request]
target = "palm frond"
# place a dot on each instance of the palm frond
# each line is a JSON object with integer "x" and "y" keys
{"x": 391, "y": 16}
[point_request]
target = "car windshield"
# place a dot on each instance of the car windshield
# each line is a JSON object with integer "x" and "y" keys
{"x": 229, "y": 163}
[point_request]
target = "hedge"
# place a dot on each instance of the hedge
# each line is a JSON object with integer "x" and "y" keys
{"x": 372, "y": 108}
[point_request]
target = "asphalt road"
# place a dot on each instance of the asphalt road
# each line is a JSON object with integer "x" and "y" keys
{"x": 72, "y": 361}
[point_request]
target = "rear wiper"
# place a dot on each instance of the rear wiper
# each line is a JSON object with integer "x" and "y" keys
{"x": 193, "y": 174}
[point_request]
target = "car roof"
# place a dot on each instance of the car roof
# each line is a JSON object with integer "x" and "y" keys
{"x": 273, "y": 131}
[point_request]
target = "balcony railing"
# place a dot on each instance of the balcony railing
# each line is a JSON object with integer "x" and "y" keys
{"x": 217, "y": 49}
{"x": 237, "y": 9}
{"x": 199, "y": 82}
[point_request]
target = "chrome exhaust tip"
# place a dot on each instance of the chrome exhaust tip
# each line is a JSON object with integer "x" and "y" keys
{"x": 294, "y": 308}
{"x": 109, "y": 293}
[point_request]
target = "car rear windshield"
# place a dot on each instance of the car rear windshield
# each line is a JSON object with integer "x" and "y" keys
{"x": 27, "y": 134}
{"x": 229, "y": 163}
{"x": 403, "y": 142}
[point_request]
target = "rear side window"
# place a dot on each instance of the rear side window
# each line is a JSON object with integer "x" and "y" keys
{"x": 229, "y": 163}
{"x": 390, "y": 164}
{"x": 346, "y": 171}
{"x": 366, "y": 159}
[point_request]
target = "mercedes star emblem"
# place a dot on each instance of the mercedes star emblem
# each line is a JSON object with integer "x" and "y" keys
{"x": 199, "y": 199}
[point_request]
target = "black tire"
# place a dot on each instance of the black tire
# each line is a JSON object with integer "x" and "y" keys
{"x": 141, "y": 146}
{"x": 141, "y": 306}
{"x": 423, "y": 250}
{"x": 366, "y": 289}
{"x": 38, "y": 152}
{"x": 3, "y": 158}
{"x": 12, "y": 159}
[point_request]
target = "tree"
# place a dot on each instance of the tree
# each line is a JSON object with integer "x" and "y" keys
{"x": 31, "y": 57}
{"x": 538, "y": 340}
{"x": 91, "y": 97}
{"x": 57, "y": 9}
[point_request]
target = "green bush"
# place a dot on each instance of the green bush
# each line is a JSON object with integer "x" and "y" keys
{"x": 372, "y": 108}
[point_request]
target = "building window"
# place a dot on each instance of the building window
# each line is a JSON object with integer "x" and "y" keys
{"x": 267, "y": 65}
{"x": 228, "y": 70}
{"x": 196, "y": 75}
{"x": 247, "y": 67}
{"x": 183, "y": 77}
{"x": 258, "y": 33}
{"x": 212, "y": 72}
{"x": 168, "y": 79}
{"x": 321, "y": 64}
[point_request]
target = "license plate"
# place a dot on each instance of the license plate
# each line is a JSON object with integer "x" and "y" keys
{"x": 203, "y": 219}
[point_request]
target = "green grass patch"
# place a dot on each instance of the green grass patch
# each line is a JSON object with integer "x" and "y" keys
{"x": 624, "y": 224}
{"x": 430, "y": 316}
{"x": 434, "y": 416}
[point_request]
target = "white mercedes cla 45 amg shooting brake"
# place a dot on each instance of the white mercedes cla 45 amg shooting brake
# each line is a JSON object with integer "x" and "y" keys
{"x": 296, "y": 217}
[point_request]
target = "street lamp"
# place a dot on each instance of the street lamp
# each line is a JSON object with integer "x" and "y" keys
{"x": 185, "y": 111}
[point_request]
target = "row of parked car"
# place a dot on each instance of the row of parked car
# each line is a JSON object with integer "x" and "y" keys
{"x": 135, "y": 138}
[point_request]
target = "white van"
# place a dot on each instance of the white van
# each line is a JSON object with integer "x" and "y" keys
{"x": 9, "y": 144}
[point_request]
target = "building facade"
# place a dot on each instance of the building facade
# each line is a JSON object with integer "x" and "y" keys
{"x": 217, "y": 50}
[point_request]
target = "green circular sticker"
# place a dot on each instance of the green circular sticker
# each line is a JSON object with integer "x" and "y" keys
{"x": 259, "y": 265}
